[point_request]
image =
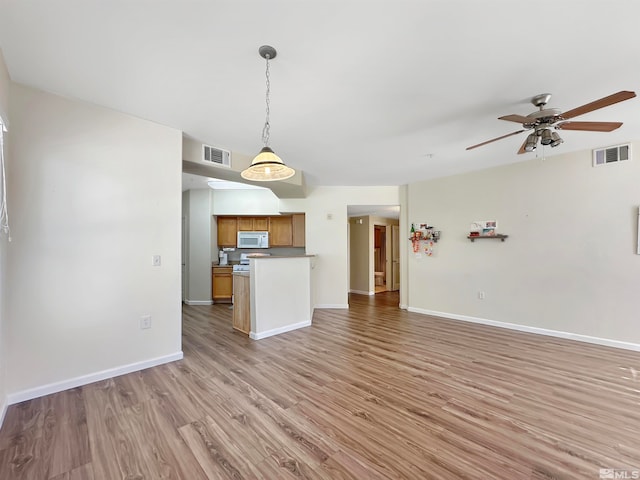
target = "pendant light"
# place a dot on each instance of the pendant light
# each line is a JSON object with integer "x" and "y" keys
{"x": 267, "y": 166}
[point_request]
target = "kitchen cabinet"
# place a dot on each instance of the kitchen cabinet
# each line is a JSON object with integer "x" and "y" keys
{"x": 280, "y": 231}
{"x": 222, "y": 284}
{"x": 253, "y": 224}
{"x": 297, "y": 223}
{"x": 227, "y": 231}
{"x": 241, "y": 303}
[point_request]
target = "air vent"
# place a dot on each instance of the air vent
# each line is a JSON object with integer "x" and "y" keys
{"x": 615, "y": 154}
{"x": 216, "y": 156}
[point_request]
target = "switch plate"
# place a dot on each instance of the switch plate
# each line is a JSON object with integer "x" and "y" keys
{"x": 145, "y": 322}
{"x": 156, "y": 260}
{"x": 481, "y": 295}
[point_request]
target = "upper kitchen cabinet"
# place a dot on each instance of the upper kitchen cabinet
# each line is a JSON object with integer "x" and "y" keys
{"x": 280, "y": 231}
{"x": 297, "y": 223}
{"x": 253, "y": 224}
{"x": 227, "y": 231}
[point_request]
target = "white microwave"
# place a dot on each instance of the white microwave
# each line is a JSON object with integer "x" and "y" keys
{"x": 253, "y": 239}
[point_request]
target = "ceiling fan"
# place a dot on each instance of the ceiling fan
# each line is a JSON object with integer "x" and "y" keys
{"x": 544, "y": 120}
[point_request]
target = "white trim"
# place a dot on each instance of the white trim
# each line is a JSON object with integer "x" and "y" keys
{"x": 402, "y": 306}
{"x": 276, "y": 331}
{"x": 198, "y": 302}
{"x": 332, "y": 305}
{"x": 50, "y": 388}
{"x": 537, "y": 330}
{"x": 362, "y": 292}
{"x": 3, "y": 410}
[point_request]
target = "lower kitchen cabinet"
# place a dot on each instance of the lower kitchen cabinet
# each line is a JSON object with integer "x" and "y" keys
{"x": 222, "y": 284}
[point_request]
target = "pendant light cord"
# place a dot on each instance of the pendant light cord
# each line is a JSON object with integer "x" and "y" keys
{"x": 267, "y": 126}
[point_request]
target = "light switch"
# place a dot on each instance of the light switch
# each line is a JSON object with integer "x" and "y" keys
{"x": 156, "y": 260}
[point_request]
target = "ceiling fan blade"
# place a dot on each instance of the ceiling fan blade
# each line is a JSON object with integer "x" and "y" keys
{"x": 603, "y": 102}
{"x": 516, "y": 118}
{"x": 495, "y": 139}
{"x": 522, "y": 150}
{"x": 589, "y": 126}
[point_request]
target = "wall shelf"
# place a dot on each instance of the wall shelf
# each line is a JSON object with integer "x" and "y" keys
{"x": 501, "y": 237}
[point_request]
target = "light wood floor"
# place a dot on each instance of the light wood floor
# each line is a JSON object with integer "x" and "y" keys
{"x": 369, "y": 393}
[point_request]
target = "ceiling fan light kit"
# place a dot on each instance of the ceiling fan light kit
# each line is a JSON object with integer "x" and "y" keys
{"x": 544, "y": 120}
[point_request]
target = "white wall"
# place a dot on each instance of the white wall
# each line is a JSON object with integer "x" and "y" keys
{"x": 4, "y": 109}
{"x": 199, "y": 246}
{"x": 94, "y": 194}
{"x": 244, "y": 202}
{"x": 569, "y": 263}
{"x": 326, "y": 225}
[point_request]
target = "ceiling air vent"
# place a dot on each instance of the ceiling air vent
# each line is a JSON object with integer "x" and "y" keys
{"x": 617, "y": 153}
{"x": 216, "y": 156}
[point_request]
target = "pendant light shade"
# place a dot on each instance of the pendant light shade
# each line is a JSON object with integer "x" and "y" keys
{"x": 267, "y": 166}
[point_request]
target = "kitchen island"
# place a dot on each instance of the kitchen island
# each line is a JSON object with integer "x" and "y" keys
{"x": 279, "y": 295}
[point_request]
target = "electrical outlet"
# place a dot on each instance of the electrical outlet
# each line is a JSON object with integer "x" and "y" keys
{"x": 156, "y": 260}
{"x": 145, "y": 321}
{"x": 481, "y": 295}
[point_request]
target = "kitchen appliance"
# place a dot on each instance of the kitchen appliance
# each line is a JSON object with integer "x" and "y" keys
{"x": 223, "y": 256}
{"x": 243, "y": 266}
{"x": 253, "y": 240}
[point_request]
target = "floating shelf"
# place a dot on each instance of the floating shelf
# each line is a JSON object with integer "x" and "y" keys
{"x": 501, "y": 237}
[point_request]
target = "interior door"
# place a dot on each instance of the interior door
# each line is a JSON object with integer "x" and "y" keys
{"x": 395, "y": 257}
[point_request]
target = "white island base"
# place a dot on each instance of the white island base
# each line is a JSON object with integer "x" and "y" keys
{"x": 280, "y": 294}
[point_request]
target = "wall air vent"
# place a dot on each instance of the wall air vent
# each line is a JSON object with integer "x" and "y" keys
{"x": 216, "y": 156}
{"x": 615, "y": 154}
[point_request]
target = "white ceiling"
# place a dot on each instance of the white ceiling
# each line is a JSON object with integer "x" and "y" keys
{"x": 363, "y": 92}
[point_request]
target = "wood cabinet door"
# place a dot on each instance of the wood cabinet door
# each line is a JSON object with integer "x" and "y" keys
{"x": 222, "y": 284}
{"x": 297, "y": 221}
{"x": 245, "y": 224}
{"x": 227, "y": 231}
{"x": 280, "y": 231}
{"x": 261, "y": 224}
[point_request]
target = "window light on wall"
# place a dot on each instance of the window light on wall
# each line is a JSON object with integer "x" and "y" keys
{"x": 4, "y": 213}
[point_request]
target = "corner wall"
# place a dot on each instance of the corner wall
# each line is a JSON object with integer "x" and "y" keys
{"x": 94, "y": 194}
{"x": 569, "y": 264}
{"x": 199, "y": 247}
{"x": 5, "y": 83}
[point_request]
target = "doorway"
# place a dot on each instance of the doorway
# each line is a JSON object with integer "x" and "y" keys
{"x": 373, "y": 248}
{"x": 380, "y": 258}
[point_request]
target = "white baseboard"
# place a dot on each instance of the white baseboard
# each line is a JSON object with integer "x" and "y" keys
{"x": 277, "y": 331}
{"x": 3, "y": 410}
{"x": 537, "y": 330}
{"x": 344, "y": 306}
{"x": 362, "y": 292}
{"x": 198, "y": 302}
{"x": 402, "y": 306}
{"x": 50, "y": 388}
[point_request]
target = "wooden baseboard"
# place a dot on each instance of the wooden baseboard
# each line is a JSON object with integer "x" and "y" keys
{"x": 537, "y": 330}
{"x": 55, "y": 387}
